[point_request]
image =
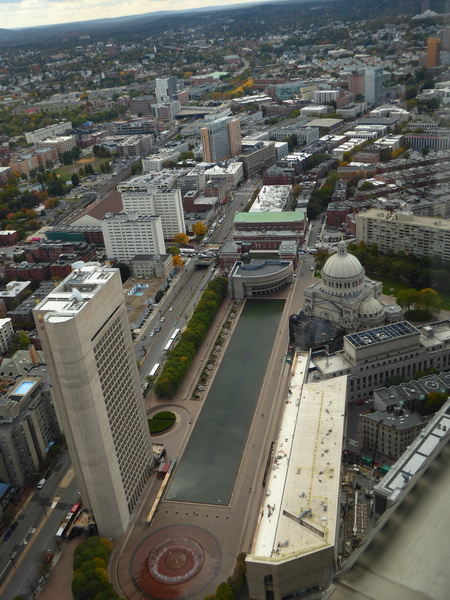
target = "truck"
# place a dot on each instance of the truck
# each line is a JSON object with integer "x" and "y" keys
{"x": 159, "y": 451}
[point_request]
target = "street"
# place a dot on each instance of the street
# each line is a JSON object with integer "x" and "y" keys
{"x": 38, "y": 524}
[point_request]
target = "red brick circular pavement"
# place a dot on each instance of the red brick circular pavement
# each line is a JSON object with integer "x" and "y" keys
{"x": 175, "y": 562}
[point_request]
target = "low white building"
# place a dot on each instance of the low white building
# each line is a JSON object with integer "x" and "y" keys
{"x": 272, "y": 198}
{"x": 296, "y": 543}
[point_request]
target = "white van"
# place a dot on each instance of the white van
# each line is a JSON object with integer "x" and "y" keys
{"x": 41, "y": 484}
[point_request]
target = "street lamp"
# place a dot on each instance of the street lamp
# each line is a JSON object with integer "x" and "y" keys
{"x": 11, "y": 558}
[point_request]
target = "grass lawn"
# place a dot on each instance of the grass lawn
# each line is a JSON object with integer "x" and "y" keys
{"x": 392, "y": 288}
{"x": 67, "y": 171}
{"x": 161, "y": 421}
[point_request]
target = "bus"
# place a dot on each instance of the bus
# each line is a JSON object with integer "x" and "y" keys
{"x": 175, "y": 335}
{"x": 67, "y": 522}
{"x": 155, "y": 370}
{"x": 187, "y": 251}
{"x": 168, "y": 346}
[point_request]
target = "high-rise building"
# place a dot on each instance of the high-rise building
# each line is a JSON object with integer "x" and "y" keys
{"x": 165, "y": 88}
{"x": 356, "y": 82}
{"x": 433, "y": 45}
{"x": 221, "y": 139}
{"x": 445, "y": 40}
{"x": 146, "y": 196}
{"x": 128, "y": 234}
{"x": 373, "y": 85}
{"x": 86, "y": 338}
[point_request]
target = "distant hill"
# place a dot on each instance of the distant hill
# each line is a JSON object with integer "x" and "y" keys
{"x": 271, "y": 10}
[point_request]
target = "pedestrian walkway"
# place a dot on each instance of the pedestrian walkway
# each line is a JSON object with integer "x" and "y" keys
{"x": 183, "y": 535}
{"x": 59, "y": 582}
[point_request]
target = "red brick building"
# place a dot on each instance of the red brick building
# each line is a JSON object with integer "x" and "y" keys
{"x": 25, "y": 271}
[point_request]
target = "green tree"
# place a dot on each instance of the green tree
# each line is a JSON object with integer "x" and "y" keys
{"x": 407, "y": 299}
{"x": 67, "y": 157}
{"x": 125, "y": 271}
{"x": 225, "y": 592}
{"x": 75, "y": 180}
{"x": 321, "y": 256}
{"x": 434, "y": 401}
{"x": 429, "y": 300}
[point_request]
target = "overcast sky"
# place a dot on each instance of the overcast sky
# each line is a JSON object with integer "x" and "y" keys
{"x": 28, "y": 13}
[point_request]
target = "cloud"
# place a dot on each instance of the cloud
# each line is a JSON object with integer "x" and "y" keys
{"x": 30, "y": 13}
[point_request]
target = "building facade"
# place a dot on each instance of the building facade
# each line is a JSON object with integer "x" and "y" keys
{"x": 221, "y": 139}
{"x": 128, "y": 234}
{"x": 413, "y": 234}
{"x": 28, "y": 425}
{"x": 145, "y": 266}
{"x": 87, "y": 343}
{"x": 147, "y": 198}
{"x": 373, "y": 85}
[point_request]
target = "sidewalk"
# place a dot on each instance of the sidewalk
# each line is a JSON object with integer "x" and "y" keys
{"x": 59, "y": 582}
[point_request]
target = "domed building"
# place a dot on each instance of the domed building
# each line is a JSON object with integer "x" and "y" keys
{"x": 343, "y": 301}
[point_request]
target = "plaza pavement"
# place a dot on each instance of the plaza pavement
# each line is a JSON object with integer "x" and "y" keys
{"x": 229, "y": 529}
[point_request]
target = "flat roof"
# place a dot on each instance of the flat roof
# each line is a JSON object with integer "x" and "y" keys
{"x": 381, "y": 334}
{"x": 269, "y": 217}
{"x": 406, "y": 556}
{"x": 417, "y": 453}
{"x": 301, "y": 508}
{"x": 258, "y": 268}
{"x": 70, "y": 296}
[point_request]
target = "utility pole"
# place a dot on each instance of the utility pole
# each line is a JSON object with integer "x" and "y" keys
{"x": 11, "y": 558}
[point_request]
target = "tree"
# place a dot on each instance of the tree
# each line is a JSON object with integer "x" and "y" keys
{"x": 67, "y": 157}
{"x": 225, "y": 592}
{"x": 434, "y": 401}
{"x": 125, "y": 271}
{"x": 429, "y": 300}
{"x": 76, "y": 152}
{"x": 199, "y": 229}
{"x": 75, "y": 180}
{"x": 406, "y": 299}
{"x": 321, "y": 256}
{"x": 177, "y": 261}
{"x": 181, "y": 239}
{"x": 43, "y": 563}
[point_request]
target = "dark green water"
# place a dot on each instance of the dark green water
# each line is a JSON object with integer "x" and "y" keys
{"x": 208, "y": 468}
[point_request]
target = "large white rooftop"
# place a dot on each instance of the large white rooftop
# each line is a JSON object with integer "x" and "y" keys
{"x": 70, "y": 296}
{"x": 301, "y": 510}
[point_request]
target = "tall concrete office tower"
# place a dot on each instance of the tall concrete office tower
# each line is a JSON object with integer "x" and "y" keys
{"x": 373, "y": 85}
{"x": 87, "y": 344}
{"x": 221, "y": 139}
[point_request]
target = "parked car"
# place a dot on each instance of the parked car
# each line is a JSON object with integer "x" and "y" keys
{"x": 7, "y": 535}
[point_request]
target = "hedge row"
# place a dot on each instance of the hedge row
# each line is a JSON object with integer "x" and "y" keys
{"x": 181, "y": 357}
{"x": 90, "y": 575}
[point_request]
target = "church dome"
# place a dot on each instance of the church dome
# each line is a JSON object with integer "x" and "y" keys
{"x": 370, "y": 307}
{"x": 342, "y": 265}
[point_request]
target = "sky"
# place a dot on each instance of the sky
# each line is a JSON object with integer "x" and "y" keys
{"x": 29, "y": 13}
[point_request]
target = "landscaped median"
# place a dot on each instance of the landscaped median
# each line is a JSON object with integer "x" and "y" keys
{"x": 162, "y": 421}
{"x": 181, "y": 357}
